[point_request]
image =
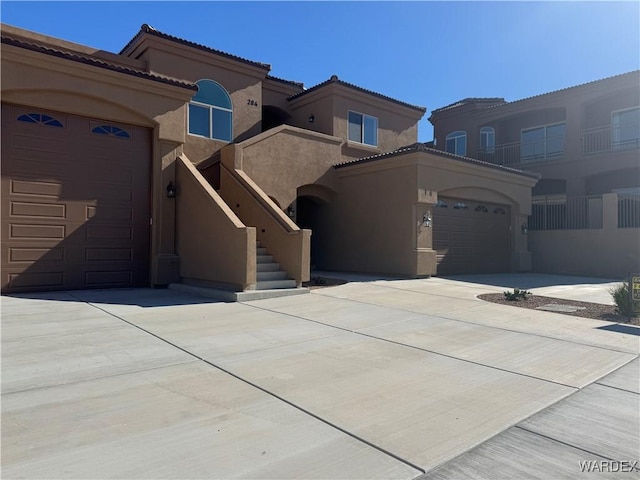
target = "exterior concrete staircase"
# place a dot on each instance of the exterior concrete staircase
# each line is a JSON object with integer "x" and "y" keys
{"x": 269, "y": 274}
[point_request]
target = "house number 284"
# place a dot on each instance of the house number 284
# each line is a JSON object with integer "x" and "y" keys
{"x": 252, "y": 102}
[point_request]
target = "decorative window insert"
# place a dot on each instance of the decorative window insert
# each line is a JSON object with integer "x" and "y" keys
{"x": 499, "y": 211}
{"x": 211, "y": 112}
{"x": 487, "y": 140}
{"x": 363, "y": 129}
{"x": 481, "y": 209}
{"x": 540, "y": 143}
{"x": 460, "y": 206}
{"x": 111, "y": 131}
{"x": 457, "y": 143}
{"x": 625, "y": 126}
{"x": 40, "y": 118}
{"x": 441, "y": 204}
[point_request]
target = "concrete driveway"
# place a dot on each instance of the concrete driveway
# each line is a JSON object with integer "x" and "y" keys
{"x": 373, "y": 379}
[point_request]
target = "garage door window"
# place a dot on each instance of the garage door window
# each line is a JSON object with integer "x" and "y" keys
{"x": 39, "y": 118}
{"x": 111, "y": 131}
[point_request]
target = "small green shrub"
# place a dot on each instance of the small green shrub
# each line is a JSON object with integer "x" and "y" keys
{"x": 516, "y": 295}
{"x": 622, "y": 298}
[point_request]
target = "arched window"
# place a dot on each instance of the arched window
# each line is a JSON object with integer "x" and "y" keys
{"x": 457, "y": 143}
{"x": 111, "y": 131}
{"x": 211, "y": 112}
{"x": 487, "y": 139}
{"x": 39, "y": 118}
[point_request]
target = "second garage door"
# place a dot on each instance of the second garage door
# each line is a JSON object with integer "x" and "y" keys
{"x": 471, "y": 237}
{"x": 75, "y": 202}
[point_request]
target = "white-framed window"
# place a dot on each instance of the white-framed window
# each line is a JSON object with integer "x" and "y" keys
{"x": 211, "y": 112}
{"x": 539, "y": 143}
{"x": 487, "y": 139}
{"x": 363, "y": 128}
{"x": 625, "y": 128}
{"x": 457, "y": 143}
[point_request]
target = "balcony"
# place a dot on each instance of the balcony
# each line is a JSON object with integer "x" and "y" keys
{"x": 611, "y": 138}
{"x": 544, "y": 149}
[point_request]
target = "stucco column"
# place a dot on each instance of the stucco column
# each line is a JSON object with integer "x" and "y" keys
{"x": 610, "y": 211}
{"x": 426, "y": 263}
{"x": 166, "y": 264}
{"x": 522, "y": 256}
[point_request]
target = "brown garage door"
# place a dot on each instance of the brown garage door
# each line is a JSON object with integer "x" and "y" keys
{"x": 75, "y": 202}
{"x": 471, "y": 237}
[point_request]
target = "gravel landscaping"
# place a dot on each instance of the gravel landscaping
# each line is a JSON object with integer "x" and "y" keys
{"x": 591, "y": 310}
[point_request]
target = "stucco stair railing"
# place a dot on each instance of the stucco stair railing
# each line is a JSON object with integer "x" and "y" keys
{"x": 216, "y": 249}
{"x": 285, "y": 241}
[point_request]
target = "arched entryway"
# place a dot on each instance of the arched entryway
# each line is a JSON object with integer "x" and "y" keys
{"x": 311, "y": 211}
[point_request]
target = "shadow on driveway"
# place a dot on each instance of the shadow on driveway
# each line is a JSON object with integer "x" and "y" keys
{"x": 528, "y": 280}
{"x": 142, "y": 297}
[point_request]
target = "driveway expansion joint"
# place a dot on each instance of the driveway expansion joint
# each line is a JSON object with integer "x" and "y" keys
{"x": 481, "y": 304}
{"x": 355, "y": 332}
{"x": 262, "y": 389}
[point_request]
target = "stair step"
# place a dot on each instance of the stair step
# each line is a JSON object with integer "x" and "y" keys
{"x": 264, "y": 258}
{"x": 271, "y": 284}
{"x": 261, "y": 251}
{"x": 268, "y": 267}
{"x": 276, "y": 275}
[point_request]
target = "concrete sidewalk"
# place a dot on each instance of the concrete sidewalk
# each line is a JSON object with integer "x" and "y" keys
{"x": 378, "y": 379}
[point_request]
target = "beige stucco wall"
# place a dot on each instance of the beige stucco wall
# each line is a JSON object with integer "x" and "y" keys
{"x": 285, "y": 158}
{"x": 373, "y": 224}
{"x": 215, "y": 247}
{"x": 330, "y": 104}
{"x": 582, "y": 107}
{"x": 608, "y": 252}
{"x": 47, "y": 82}
{"x": 594, "y": 253}
{"x": 242, "y": 82}
{"x": 289, "y": 245}
{"x": 379, "y": 205}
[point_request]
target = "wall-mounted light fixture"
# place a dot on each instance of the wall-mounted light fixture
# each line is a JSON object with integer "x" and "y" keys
{"x": 291, "y": 212}
{"x": 426, "y": 220}
{"x": 171, "y": 190}
{"x": 312, "y": 118}
{"x": 524, "y": 229}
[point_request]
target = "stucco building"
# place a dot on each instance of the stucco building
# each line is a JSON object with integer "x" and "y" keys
{"x": 584, "y": 141}
{"x": 173, "y": 162}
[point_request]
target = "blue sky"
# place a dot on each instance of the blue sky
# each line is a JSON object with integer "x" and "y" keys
{"x": 425, "y": 53}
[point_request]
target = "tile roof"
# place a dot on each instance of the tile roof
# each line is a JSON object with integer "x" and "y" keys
{"x": 335, "y": 79}
{"x": 422, "y": 147}
{"x": 94, "y": 61}
{"x": 290, "y": 82}
{"x": 467, "y": 101}
{"x": 145, "y": 28}
{"x": 499, "y": 102}
{"x": 580, "y": 85}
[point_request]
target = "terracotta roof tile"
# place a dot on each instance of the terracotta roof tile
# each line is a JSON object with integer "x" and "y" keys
{"x": 290, "y": 82}
{"x": 96, "y": 62}
{"x": 421, "y": 147}
{"x": 580, "y": 85}
{"x": 492, "y": 101}
{"x": 145, "y": 28}
{"x": 335, "y": 79}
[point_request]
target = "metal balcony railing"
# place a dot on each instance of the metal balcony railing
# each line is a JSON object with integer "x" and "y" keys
{"x": 517, "y": 153}
{"x": 628, "y": 211}
{"x": 611, "y": 138}
{"x": 572, "y": 213}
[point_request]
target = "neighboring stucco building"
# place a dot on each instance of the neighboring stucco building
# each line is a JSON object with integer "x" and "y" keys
{"x": 175, "y": 162}
{"x": 584, "y": 141}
